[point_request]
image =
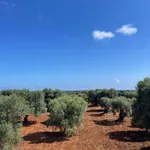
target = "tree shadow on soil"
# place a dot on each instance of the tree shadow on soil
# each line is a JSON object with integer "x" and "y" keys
{"x": 130, "y": 136}
{"x": 29, "y": 123}
{"x": 97, "y": 115}
{"x": 91, "y": 105}
{"x": 95, "y": 110}
{"x": 145, "y": 148}
{"x": 106, "y": 122}
{"x": 44, "y": 137}
{"x": 45, "y": 123}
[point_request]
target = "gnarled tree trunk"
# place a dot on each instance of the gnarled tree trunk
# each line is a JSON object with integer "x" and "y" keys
{"x": 25, "y": 119}
{"x": 122, "y": 115}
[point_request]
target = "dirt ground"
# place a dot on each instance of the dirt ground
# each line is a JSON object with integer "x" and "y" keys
{"x": 100, "y": 132}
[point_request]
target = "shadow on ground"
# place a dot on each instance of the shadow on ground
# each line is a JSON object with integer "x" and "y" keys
{"x": 106, "y": 122}
{"x": 45, "y": 123}
{"x": 95, "y": 110}
{"x": 130, "y": 136}
{"x": 97, "y": 115}
{"x": 90, "y": 105}
{"x": 145, "y": 148}
{"x": 29, "y": 123}
{"x": 44, "y": 137}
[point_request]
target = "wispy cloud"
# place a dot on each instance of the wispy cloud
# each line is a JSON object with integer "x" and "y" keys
{"x": 117, "y": 80}
{"x": 127, "y": 29}
{"x": 4, "y": 3}
{"x": 100, "y": 35}
{"x": 13, "y": 5}
{"x": 74, "y": 86}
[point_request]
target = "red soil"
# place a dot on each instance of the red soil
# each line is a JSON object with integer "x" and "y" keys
{"x": 100, "y": 132}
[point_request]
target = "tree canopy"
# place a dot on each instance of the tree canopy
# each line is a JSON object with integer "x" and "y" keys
{"x": 66, "y": 112}
{"x": 12, "y": 109}
{"x": 141, "y": 107}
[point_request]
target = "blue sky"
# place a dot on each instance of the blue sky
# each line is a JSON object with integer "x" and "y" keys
{"x": 74, "y": 44}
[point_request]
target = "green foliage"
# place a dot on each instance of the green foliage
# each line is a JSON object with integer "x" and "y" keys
{"x": 122, "y": 105}
{"x": 34, "y": 101}
{"x": 37, "y": 103}
{"x": 105, "y": 103}
{"x": 130, "y": 94}
{"x": 92, "y": 97}
{"x": 12, "y": 109}
{"x": 26, "y": 94}
{"x": 95, "y": 96}
{"x": 50, "y": 94}
{"x": 6, "y": 92}
{"x": 82, "y": 94}
{"x": 70, "y": 131}
{"x": 67, "y": 113}
{"x": 7, "y": 133}
{"x": 9, "y": 136}
{"x": 141, "y": 107}
{"x": 112, "y": 93}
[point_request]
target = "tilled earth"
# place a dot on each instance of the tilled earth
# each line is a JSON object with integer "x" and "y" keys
{"x": 100, "y": 132}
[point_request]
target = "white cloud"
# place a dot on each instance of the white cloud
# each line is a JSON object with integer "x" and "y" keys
{"x": 117, "y": 80}
{"x": 127, "y": 29}
{"x": 100, "y": 35}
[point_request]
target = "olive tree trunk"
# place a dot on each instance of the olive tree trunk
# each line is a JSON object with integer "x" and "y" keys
{"x": 25, "y": 119}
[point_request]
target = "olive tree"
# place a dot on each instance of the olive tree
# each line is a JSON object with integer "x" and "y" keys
{"x": 50, "y": 94}
{"x": 83, "y": 95}
{"x": 95, "y": 96}
{"x": 105, "y": 103}
{"x": 92, "y": 97}
{"x": 26, "y": 94}
{"x": 36, "y": 104}
{"x": 130, "y": 94}
{"x": 66, "y": 113}
{"x": 12, "y": 109}
{"x": 141, "y": 107}
{"x": 10, "y": 136}
{"x": 112, "y": 93}
{"x": 6, "y": 92}
{"x": 122, "y": 105}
